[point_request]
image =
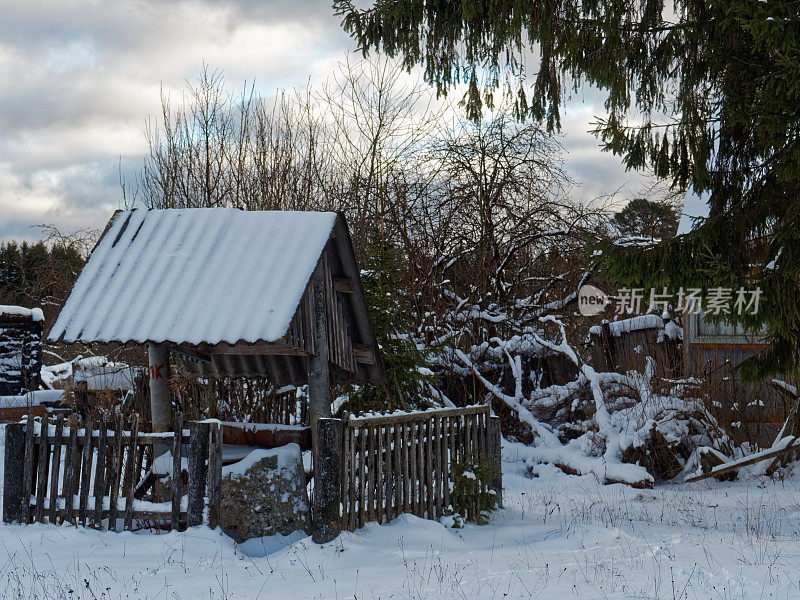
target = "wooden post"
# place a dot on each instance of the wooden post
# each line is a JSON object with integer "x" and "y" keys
{"x": 116, "y": 469}
{"x": 214, "y": 473}
{"x": 160, "y": 402}
{"x": 495, "y": 457}
{"x": 44, "y": 457}
{"x": 70, "y": 472}
{"x": 29, "y": 474}
{"x": 198, "y": 472}
{"x": 100, "y": 474}
{"x": 86, "y": 474}
{"x": 177, "y": 441}
{"x": 55, "y": 469}
{"x": 131, "y": 476}
{"x": 319, "y": 386}
{"x": 328, "y": 472}
{"x": 14, "y": 500}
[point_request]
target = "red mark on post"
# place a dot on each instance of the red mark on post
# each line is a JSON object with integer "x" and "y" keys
{"x": 155, "y": 372}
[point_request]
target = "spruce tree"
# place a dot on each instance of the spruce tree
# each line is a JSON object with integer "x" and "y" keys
{"x": 383, "y": 279}
{"x": 705, "y": 93}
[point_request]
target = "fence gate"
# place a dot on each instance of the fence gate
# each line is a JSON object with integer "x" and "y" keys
{"x": 393, "y": 464}
{"x": 60, "y": 470}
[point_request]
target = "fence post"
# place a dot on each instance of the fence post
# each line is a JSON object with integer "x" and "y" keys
{"x": 328, "y": 480}
{"x": 198, "y": 471}
{"x": 14, "y": 502}
{"x": 214, "y": 474}
{"x": 495, "y": 457}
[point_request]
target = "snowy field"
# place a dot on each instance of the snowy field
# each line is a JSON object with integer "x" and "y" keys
{"x": 558, "y": 537}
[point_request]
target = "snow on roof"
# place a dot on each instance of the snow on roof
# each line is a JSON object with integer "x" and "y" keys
{"x": 194, "y": 275}
{"x": 694, "y": 206}
{"x": 19, "y": 311}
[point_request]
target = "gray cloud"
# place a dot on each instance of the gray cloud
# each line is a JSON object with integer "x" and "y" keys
{"x": 79, "y": 79}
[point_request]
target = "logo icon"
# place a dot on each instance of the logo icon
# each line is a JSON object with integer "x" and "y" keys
{"x": 592, "y": 301}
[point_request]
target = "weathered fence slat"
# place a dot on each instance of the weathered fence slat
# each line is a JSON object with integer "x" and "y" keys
{"x": 131, "y": 476}
{"x": 54, "y": 470}
{"x": 397, "y": 472}
{"x": 43, "y": 457}
{"x": 214, "y": 472}
{"x": 419, "y": 446}
{"x": 429, "y": 491}
{"x": 116, "y": 467}
{"x": 86, "y": 473}
{"x": 176, "y": 472}
{"x": 449, "y": 458}
{"x": 406, "y": 472}
{"x": 379, "y": 466}
{"x": 388, "y": 466}
{"x": 362, "y": 517}
{"x": 372, "y": 463}
{"x": 413, "y": 481}
{"x": 71, "y": 469}
{"x": 28, "y": 473}
{"x": 100, "y": 475}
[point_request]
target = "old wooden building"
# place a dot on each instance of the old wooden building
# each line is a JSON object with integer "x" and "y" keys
{"x": 228, "y": 293}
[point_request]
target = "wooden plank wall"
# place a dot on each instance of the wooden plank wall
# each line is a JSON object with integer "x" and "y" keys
{"x": 95, "y": 474}
{"x": 629, "y": 351}
{"x": 397, "y": 464}
{"x": 340, "y": 345}
{"x": 301, "y": 329}
{"x": 300, "y": 335}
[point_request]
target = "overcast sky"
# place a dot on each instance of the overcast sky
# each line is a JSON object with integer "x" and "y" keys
{"x": 79, "y": 79}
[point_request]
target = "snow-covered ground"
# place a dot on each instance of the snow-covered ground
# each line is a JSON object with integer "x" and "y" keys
{"x": 558, "y": 537}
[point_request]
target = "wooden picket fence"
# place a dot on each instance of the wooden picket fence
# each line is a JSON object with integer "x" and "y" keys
{"x": 59, "y": 470}
{"x": 402, "y": 463}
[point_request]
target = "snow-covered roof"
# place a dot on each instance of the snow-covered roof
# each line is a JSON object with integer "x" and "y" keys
{"x": 20, "y": 311}
{"x": 195, "y": 275}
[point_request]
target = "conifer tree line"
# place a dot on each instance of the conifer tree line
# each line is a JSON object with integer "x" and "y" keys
{"x": 38, "y": 275}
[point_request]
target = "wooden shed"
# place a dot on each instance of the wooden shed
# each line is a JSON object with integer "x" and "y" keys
{"x": 711, "y": 352}
{"x": 229, "y": 293}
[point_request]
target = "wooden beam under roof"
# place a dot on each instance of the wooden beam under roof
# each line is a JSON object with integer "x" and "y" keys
{"x": 191, "y": 353}
{"x": 343, "y": 285}
{"x": 364, "y": 354}
{"x": 256, "y": 349}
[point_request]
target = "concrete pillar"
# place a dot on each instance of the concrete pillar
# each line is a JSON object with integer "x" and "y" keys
{"x": 160, "y": 402}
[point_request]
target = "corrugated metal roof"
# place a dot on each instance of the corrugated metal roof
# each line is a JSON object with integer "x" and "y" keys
{"x": 194, "y": 275}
